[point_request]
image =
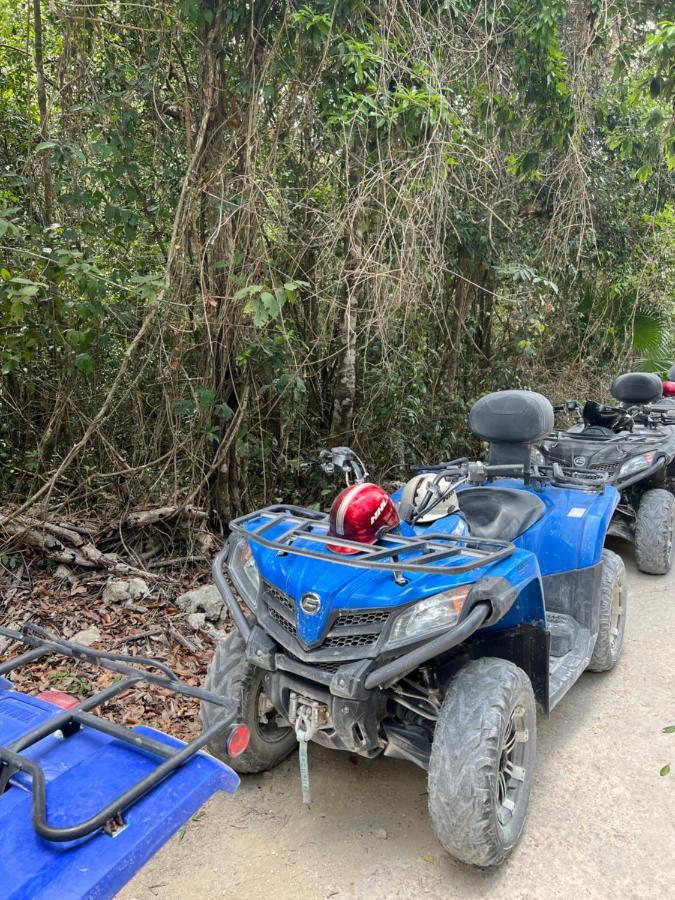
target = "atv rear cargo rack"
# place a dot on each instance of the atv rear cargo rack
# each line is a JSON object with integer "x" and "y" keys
{"x": 13, "y": 762}
{"x": 396, "y": 553}
{"x": 629, "y": 437}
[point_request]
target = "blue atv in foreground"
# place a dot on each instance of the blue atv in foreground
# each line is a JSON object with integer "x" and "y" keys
{"x": 430, "y": 637}
{"x": 85, "y": 802}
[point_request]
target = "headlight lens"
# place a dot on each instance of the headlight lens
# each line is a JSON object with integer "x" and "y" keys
{"x": 244, "y": 570}
{"x": 430, "y": 616}
{"x": 643, "y": 461}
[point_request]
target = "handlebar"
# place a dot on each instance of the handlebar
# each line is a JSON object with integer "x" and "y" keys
{"x": 339, "y": 459}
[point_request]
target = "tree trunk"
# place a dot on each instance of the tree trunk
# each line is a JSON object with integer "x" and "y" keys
{"x": 48, "y": 185}
{"x": 345, "y": 389}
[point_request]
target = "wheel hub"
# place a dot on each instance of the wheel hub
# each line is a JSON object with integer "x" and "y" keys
{"x": 617, "y": 611}
{"x": 512, "y": 773}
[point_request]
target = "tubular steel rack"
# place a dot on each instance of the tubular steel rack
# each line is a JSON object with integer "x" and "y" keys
{"x": 396, "y": 553}
{"x": 12, "y": 762}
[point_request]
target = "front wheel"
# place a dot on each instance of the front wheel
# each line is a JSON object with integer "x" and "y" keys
{"x": 482, "y": 762}
{"x": 654, "y": 531}
{"x": 612, "y": 601}
{"x": 231, "y": 675}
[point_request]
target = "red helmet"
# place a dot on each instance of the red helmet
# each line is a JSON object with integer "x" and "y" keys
{"x": 361, "y": 513}
{"x": 669, "y": 388}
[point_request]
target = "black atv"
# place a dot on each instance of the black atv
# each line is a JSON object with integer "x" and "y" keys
{"x": 633, "y": 445}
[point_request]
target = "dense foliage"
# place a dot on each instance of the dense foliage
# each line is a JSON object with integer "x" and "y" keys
{"x": 232, "y": 232}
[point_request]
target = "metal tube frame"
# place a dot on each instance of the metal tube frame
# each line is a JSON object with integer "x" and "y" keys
{"x": 405, "y": 553}
{"x": 12, "y": 761}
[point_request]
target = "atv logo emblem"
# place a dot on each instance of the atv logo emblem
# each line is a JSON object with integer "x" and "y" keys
{"x": 579, "y": 460}
{"x": 310, "y": 603}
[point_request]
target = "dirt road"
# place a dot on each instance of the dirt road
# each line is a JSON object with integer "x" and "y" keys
{"x": 601, "y": 820}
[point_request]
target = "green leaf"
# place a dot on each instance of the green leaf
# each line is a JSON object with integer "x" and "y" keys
{"x": 205, "y": 395}
{"x": 269, "y": 302}
{"x": 665, "y": 770}
{"x": 224, "y": 411}
{"x": 669, "y": 729}
{"x": 46, "y": 145}
{"x": 248, "y": 291}
{"x": 84, "y": 363}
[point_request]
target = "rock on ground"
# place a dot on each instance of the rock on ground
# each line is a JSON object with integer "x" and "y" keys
{"x": 205, "y": 600}
{"x": 196, "y": 621}
{"x": 121, "y": 591}
{"x": 87, "y": 636}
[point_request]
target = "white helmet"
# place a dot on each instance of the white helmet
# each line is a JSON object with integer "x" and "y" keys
{"x": 426, "y": 498}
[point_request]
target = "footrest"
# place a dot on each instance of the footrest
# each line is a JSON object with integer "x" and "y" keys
{"x": 563, "y": 631}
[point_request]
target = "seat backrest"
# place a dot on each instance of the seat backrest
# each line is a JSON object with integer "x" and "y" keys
{"x": 637, "y": 388}
{"x": 671, "y": 373}
{"x": 511, "y": 421}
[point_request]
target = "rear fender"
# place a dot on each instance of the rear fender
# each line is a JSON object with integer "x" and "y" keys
{"x": 572, "y": 533}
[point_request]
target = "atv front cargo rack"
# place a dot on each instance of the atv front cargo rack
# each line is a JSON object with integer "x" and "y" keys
{"x": 396, "y": 553}
{"x": 13, "y": 761}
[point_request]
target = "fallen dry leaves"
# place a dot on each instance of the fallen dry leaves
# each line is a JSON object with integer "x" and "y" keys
{"x": 152, "y": 628}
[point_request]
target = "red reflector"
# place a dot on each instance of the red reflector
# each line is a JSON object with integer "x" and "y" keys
{"x": 237, "y": 740}
{"x": 58, "y": 698}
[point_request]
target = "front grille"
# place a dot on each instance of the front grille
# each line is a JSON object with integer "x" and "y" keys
{"x": 350, "y": 640}
{"x": 281, "y": 598}
{"x": 366, "y": 618}
{"x": 610, "y": 468}
{"x": 279, "y": 619}
{"x": 331, "y": 667}
{"x": 281, "y": 610}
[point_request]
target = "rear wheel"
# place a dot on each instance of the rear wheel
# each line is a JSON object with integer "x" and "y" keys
{"x": 231, "y": 675}
{"x": 654, "y": 531}
{"x": 482, "y": 762}
{"x": 613, "y": 599}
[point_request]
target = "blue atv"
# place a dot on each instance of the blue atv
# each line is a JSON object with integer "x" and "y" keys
{"x": 633, "y": 445}
{"x": 435, "y": 643}
{"x": 84, "y": 801}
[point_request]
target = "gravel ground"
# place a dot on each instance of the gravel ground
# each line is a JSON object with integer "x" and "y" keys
{"x": 601, "y": 820}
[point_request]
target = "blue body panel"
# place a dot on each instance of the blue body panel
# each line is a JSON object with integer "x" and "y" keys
{"x": 343, "y": 587}
{"x": 83, "y": 772}
{"x": 572, "y": 532}
{"x": 569, "y": 536}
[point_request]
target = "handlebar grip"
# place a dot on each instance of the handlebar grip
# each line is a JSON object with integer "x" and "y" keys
{"x": 505, "y": 470}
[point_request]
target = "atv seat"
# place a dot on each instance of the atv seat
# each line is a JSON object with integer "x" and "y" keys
{"x": 598, "y": 432}
{"x": 501, "y": 513}
{"x": 636, "y": 388}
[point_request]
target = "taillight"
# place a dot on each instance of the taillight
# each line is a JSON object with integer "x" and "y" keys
{"x": 669, "y": 388}
{"x": 237, "y": 740}
{"x": 58, "y": 698}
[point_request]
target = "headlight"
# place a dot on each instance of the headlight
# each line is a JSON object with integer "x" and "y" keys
{"x": 244, "y": 570}
{"x": 430, "y": 616}
{"x": 643, "y": 461}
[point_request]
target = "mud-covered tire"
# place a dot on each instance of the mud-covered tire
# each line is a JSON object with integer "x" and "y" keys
{"x": 466, "y": 759}
{"x": 231, "y": 675}
{"x": 613, "y": 600}
{"x": 655, "y": 532}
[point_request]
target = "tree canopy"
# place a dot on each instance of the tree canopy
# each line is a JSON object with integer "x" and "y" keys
{"x": 232, "y": 232}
